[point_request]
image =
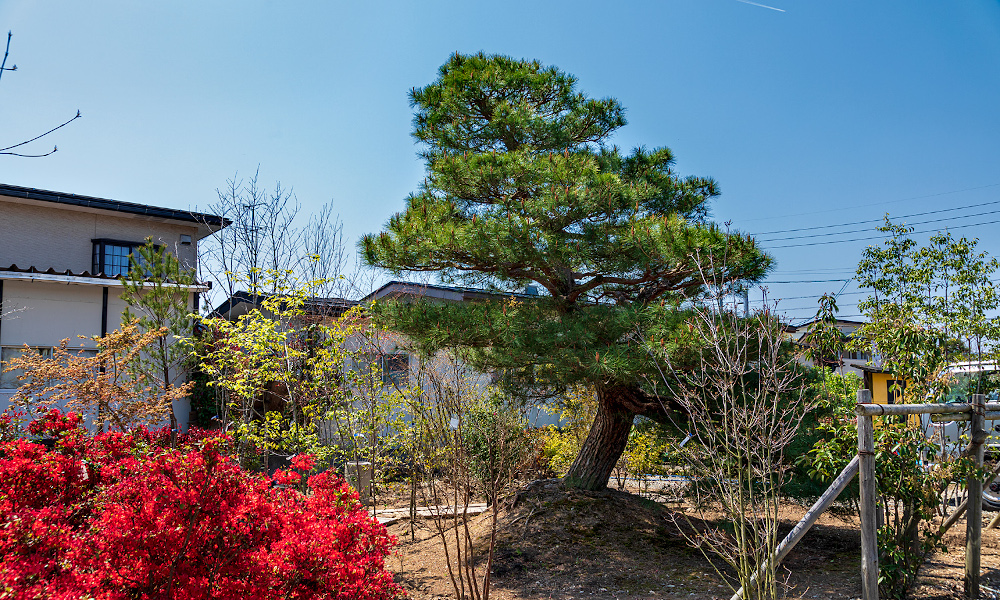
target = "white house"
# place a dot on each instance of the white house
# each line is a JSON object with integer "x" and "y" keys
{"x": 397, "y": 363}
{"x": 60, "y": 258}
{"x": 850, "y": 361}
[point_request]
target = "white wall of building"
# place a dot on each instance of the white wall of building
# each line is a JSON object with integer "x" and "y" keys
{"x": 41, "y": 314}
{"x": 60, "y": 237}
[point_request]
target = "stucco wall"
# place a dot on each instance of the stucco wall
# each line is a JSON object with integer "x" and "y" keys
{"x": 42, "y": 314}
{"x": 60, "y": 237}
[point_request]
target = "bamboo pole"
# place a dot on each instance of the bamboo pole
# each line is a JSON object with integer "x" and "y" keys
{"x": 869, "y": 531}
{"x": 974, "y": 516}
{"x": 879, "y": 410}
{"x": 810, "y": 518}
{"x": 991, "y": 415}
{"x": 993, "y": 522}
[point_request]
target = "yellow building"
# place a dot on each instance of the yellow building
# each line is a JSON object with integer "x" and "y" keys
{"x": 886, "y": 388}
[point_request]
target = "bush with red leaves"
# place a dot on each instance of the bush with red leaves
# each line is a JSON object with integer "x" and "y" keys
{"x": 121, "y": 515}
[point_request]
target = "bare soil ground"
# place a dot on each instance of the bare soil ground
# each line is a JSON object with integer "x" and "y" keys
{"x": 567, "y": 545}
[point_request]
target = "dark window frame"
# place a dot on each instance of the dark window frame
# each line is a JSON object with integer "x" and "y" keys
{"x": 396, "y": 368}
{"x": 99, "y": 256}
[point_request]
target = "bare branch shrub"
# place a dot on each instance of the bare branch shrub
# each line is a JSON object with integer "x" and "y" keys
{"x": 744, "y": 401}
{"x": 468, "y": 441}
{"x": 260, "y": 242}
{"x": 102, "y": 386}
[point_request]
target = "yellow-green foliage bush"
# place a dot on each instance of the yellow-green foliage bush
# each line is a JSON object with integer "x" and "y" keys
{"x": 559, "y": 449}
{"x": 643, "y": 455}
{"x": 645, "y": 450}
{"x": 561, "y": 443}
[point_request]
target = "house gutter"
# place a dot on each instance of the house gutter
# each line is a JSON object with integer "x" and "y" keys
{"x": 73, "y": 280}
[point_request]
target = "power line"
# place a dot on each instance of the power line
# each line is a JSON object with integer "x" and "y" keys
{"x": 813, "y": 308}
{"x": 816, "y": 272}
{"x": 879, "y": 237}
{"x": 769, "y": 282}
{"x": 920, "y": 214}
{"x": 816, "y": 235}
{"x": 807, "y": 297}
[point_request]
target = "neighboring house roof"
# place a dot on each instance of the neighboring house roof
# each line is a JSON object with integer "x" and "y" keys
{"x": 211, "y": 222}
{"x": 241, "y": 302}
{"x": 805, "y": 326}
{"x": 67, "y": 276}
{"x": 395, "y": 289}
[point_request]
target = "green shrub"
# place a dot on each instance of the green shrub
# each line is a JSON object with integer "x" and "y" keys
{"x": 497, "y": 443}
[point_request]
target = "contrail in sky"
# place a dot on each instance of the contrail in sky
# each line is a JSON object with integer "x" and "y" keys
{"x": 761, "y": 5}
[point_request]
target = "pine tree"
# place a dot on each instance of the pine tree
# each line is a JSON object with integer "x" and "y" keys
{"x": 521, "y": 188}
{"x": 156, "y": 289}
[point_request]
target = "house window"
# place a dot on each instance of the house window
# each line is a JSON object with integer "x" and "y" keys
{"x": 111, "y": 257}
{"x": 9, "y": 379}
{"x": 396, "y": 368}
{"x": 853, "y": 355}
{"x": 894, "y": 391}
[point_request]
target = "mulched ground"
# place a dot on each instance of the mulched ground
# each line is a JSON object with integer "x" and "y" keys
{"x": 567, "y": 545}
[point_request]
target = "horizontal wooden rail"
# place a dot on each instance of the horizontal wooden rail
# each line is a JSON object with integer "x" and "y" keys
{"x": 991, "y": 415}
{"x": 882, "y": 410}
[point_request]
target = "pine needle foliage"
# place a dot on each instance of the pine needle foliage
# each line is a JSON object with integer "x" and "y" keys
{"x": 522, "y": 187}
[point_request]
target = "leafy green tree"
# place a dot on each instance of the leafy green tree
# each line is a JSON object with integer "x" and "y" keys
{"x": 264, "y": 359}
{"x": 928, "y": 306}
{"x": 157, "y": 290}
{"x": 520, "y": 189}
{"x": 823, "y": 342}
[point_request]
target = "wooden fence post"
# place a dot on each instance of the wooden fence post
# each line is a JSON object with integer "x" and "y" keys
{"x": 974, "y": 513}
{"x": 869, "y": 531}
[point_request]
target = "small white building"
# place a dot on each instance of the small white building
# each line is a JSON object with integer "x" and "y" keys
{"x": 849, "y": 361}
{"x": 391, "y": 351}
{"x": 60, "y": 259}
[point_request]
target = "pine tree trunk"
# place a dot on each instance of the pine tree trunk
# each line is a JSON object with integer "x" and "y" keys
{"x": 604, "y": 444}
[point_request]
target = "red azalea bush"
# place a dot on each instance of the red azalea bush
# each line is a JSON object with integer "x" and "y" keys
{"x": 122, "y": 516}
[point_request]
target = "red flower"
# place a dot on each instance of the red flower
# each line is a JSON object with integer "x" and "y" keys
{"x": 142, "y": 520}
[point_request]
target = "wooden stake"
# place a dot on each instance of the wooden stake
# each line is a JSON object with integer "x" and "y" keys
{"x": 869, "y": 531}
{"x": 974, "y": 513}
{"x": 993, "y": 523}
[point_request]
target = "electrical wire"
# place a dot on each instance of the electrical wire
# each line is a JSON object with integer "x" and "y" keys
{"x": 816, "y": 235}
{"x": 919, "y": 214}
{"x": 881, "y": 236}
{"x": 829, "y": 210}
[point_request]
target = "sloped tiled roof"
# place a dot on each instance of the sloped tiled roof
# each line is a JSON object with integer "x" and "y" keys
{"x": 113, "y": 205}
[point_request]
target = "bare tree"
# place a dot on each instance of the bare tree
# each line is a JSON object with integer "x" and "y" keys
{"x": 261, "y": 239}
{"x": 9, "y": 150}
{"x": 744, "y": 400}
{"x": 324, "y": 255}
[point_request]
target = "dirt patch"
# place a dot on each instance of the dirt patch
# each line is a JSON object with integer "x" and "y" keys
{"x": 570, "y": 544}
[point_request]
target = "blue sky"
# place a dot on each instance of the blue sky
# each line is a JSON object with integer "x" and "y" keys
{"x": 822, "y": 112}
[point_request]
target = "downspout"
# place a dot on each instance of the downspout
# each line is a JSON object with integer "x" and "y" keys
{"x": 104, "y": 313}
{"x": 196, "y": 308}
{"x": 1, "y": 312}
{"x": 104, "y": 332}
